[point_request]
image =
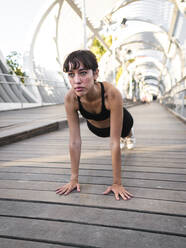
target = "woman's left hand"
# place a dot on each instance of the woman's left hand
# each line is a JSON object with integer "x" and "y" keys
{"x": 118, "y": 191}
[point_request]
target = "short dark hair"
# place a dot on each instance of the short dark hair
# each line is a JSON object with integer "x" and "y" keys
{"x": 86, "y": 57}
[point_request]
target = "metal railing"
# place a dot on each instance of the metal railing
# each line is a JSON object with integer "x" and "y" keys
{"x": 175, "y": 98}
{"x": 31, "y": 91}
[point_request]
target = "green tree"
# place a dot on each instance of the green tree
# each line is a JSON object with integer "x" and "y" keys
{"x": 13, "y": 61}
{"x": 118, "y": 74}
{"x": 97, "y": 48}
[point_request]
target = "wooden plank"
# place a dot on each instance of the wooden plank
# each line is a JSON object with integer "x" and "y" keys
{"x": 65, "y": 169}
{"x": 25, "y": 123}
{"x": 181, "y": 177}
{"x": 88, "y": 163}
{"x": 105, "y": 201}
{"x": 99, "y": 180}
{"x": 12, "y": 242}
{"x": 92, "y": 177}
{"x": 22, "y": 116}
{"x": 167, "y": 224}
{"x": 143, "y": 151}
{"x": 146, "y": 193}
{"x": 102, "y": 156}
{"x": 85, "y": 235}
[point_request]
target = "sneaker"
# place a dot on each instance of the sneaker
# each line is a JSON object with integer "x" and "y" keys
{"x": 130, "y": 141}
{"x": 122, "y": 143}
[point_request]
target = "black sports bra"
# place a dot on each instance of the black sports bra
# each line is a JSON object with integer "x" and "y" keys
{"x": 105, "y": 113}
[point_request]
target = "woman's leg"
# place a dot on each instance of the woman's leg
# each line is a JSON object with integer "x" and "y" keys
{"x": 127, "y": 136}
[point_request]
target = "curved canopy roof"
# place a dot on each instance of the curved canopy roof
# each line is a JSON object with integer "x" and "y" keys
{"x": 148, "y": 37}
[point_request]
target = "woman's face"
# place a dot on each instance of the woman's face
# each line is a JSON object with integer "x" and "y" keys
{"x": 81, "y": 79}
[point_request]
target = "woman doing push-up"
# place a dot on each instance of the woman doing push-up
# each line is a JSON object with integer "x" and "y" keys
{"x": 101, "y": 104}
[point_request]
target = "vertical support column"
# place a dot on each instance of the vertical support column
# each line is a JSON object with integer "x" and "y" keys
{"x": 182, "y": 103}
{"x": 114, "y": 57}
{"x": 20, "y": 92}
{"x": 84, "y": 24}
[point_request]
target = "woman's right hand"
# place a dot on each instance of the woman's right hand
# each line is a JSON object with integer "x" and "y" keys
{"x": 67, "y": 188}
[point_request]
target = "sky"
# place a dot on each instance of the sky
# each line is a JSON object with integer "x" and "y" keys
{"x": 18, "y": 16}
{"x": 16, "y": 19}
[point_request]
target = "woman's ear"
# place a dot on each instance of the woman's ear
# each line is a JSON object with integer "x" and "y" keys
{"x": 96, "y": 74}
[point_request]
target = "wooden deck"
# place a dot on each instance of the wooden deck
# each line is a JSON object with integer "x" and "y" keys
{"x": 16, "y": 125}
{"x": 32, "y": 215}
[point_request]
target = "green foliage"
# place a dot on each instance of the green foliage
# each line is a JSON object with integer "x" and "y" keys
{"x": 119, "y": 73}
{"x": 98, "y": 49}
{"x": 108, "y": 40}
{"x": 131, "y": 60}
{"x": 13, "y": 61}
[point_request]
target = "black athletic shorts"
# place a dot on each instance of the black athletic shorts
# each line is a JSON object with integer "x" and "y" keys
{"x": 105, "y": 132}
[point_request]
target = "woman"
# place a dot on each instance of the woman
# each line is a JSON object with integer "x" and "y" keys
{"x": 101, "y": 104}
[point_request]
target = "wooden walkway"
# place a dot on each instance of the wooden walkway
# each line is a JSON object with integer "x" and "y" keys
{"x": 16, "y": 125}
{"x": 32, "y": 215}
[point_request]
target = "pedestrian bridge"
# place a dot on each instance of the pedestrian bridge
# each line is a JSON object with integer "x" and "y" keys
{"x": 141, "y": 50}
{"x": 140, "y": 46}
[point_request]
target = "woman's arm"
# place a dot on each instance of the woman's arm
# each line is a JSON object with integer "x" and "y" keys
{"x": 116, "y": 121}
{"x": 74, "y": 145}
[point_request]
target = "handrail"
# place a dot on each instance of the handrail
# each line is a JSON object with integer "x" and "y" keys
{"x": 32, "y": 92}
{"x": 38, "y": 83}
{"x": 177, "y": 88}
{"x": 175, "y": 98}
{"x": 27, "y": 77}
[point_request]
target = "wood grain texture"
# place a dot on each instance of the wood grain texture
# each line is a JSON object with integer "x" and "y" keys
{"x": 32, "y": 215}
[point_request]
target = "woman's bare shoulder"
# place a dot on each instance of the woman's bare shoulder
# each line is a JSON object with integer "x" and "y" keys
{"x": 112, "y": 96}
{"x": 111, "y": 91}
